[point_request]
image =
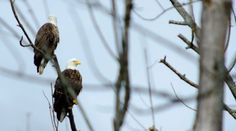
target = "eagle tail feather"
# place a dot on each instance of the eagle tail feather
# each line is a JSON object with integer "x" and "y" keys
{"x": 42, "y": 66}
{"x": 62, "y": 115}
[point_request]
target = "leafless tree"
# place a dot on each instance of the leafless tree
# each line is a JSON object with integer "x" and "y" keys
{"x": 210, "y": 42}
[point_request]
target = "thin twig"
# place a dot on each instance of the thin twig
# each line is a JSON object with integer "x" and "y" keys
{"x": 159, "y": 4}
{"x": 21, "y": 42}
{"x": 234, "y": 14}
{"x": 181, "y": 99}
{"x": 19, "y": 23}
{"x": 136, "y": 120}
{"x": 149, "y": 87}
{"x": 228, "y": 35}
{"x": 24, "y": 31}
{"x": 162, "y": 41}
{"x": 190, "y": 45}
{"x": 187, "y": 18}
{"x": 181, "y": 76}
{"x": 230, "y": 111}
{"x": 177, "y": 22}
{"x": 232, "y": 65}
{"x": 162, "y": 107}
{"x": 50, "y": 111}
{"x": 55, "y": 121}
{"x": 162, "y": 13}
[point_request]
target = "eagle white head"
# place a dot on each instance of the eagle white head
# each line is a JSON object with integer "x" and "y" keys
{"x": 53, "y": 20}
{"x": 73, "y": 63}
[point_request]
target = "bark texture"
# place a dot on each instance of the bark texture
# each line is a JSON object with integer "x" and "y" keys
{"x": 215, "y": 16}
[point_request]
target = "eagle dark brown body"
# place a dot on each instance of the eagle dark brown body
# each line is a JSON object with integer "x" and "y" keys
{"x": 46, "y": 40}
{"x": 63, "y": 98}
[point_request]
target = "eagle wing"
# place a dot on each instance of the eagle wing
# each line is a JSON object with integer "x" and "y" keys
{"x": 63, "y": 100}
{"x": 46, "y": 40}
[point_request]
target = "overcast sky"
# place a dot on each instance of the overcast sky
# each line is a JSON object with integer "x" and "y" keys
{"x": 21, "y": 95}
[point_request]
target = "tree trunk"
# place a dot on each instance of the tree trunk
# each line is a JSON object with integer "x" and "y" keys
{"x": 215, "y": 16}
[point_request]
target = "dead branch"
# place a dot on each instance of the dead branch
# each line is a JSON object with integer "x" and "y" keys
{"x": 190, "y": 45}
{"x": 196, "y": 29}
{"x": 187, "y": 18}
{"x": 230, "y": 111}
{"x": 53, "y": 60}
{"x": 181, "y": 76}
{"x": 178, "y": 22}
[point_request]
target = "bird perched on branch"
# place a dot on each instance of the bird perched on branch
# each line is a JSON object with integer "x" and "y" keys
{"x": 46, "y": 40}
{"x": 67, "y": 89}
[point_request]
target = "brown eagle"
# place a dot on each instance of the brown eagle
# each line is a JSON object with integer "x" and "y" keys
{"x": 65, "y": 95}
{"x": 46, "y": 40}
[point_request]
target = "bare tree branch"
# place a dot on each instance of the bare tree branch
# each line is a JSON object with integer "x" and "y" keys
{"x": 190, "y": 45}
{"x": 178, "y": 22}
{"x": 187, "y": 18}
{"x": 123, "y": 77}
{"x": 196, "y": 29}
{"x": 181, "y": 76}
{"x": 52, "y": 59}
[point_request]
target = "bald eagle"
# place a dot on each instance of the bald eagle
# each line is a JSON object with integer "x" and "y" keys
{"x": 46, "y": 40}
{"x": 65, "y": 96}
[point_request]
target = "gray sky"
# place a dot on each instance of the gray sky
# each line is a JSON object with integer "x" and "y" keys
{"x": 19, "y": 95}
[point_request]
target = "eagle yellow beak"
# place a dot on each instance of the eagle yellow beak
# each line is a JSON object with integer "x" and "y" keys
{"x": 77, "y": 62}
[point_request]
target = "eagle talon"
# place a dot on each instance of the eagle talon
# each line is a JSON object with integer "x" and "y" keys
{"x": 75, "y": 101}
